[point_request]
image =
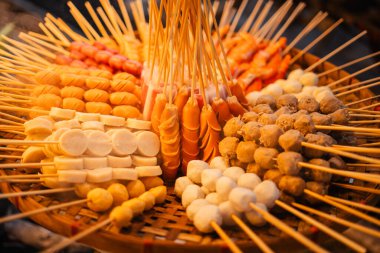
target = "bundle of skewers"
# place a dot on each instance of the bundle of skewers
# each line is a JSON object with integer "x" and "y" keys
{"x": 253, "y": 126}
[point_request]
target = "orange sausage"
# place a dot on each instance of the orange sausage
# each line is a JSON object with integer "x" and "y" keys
{"x": 97, "y": 83}
{"x": 73, "y": 80}
{"x": 72, "y": 92}
{"x": 124, "y": 98}
{"x": 44, "y": 89}
{"x": 127, "y": 111}
{"x": 101, "y": 73}
{"x": 48, "y": 77}
{"x": 123, "y": 85}
{"x": 98, "y": 107}
{"x": 96, "y": 95}
{"x": 73, "y": 104}
{"x": 48, "y": 101}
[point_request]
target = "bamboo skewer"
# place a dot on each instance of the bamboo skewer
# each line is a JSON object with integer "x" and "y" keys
{"x": 355, "y": 204}
{"x": 364, "y": 121}
{"x": 24, "y": 165}
{"x": 370, "y": 106}
{"x": 12, "y": 149}
{"x": 338, "y": 220}
{"x": 231, "y": 245}
{"x": 363, "y": 111}
{"x": 357, "y": 149}
{"x": 337, "y": 236}
{"x": 42, "y": 192}
{"x": 348, "y": 128}
{"x": 358, "y": 188}
{"x": 364, "y": 115}
{"x": 288, "y": 230}
{"x": 373, "y": 144}
{"x": 237, "y": 18}
{"x": 245, "y": 27}
{"x": 38, "y": 176}
{"x": 11, "y": 156}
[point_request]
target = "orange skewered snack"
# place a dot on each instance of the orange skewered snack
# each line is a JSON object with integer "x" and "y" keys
{"x": 209, "y": 134}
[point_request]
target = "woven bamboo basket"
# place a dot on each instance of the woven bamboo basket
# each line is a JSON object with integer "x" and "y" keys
{"x": 166, "y": 227}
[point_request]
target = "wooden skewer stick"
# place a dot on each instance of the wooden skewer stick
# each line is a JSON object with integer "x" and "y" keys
{"x": 41, "y": 210}
{"x": 12, "y": 149}
{"x": 364, "y": 115}
{"x": 288, "y": 230}
{"x": 348, "y": 128}
{"x": 355, "y": 204}
{"x": 353, "y": 74}
{"x": 20, "y": 109}
{"x": 24, "y": 165}
{"x": 24, "y": 181}
{"x": 245, "y": 27}
{"x": 25, "y": 142}
{"x": 370, "y": 106}
{"x": 357, "y": 149}
{"x": 349, "y": 64}
{"x": 363, "y": 111}
{"x": 11, "y": 156}
{"x": 57, "y": 32}
{"x": 338, "y": 220}
{"x": 27, "y": 193}
{"x": 27, "y": 176}
{"x": 339, "y": 237}
{"x": 342, "y": 153}
{"x": 225, "y": 238}
{"x": 261, "y": 17}
{"x": 237, "y": 18}
{"x": 10, "y": 121}
{"x": 254, "y": 237}
{"x": 48, "y": 38}
{"x": 373, "y": 144}
{"x": 344, "y": 207}
{"x": 12, "y": 117}
{"x": 358, "y": 188}
{"x": 364, "y": 121}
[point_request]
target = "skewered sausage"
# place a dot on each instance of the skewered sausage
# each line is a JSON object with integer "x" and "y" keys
{"x": 48, "y": 77}
{"x": 45, "y": 89}
{"x": 97, "y": 83}
{"x": 96, "y": 95}
{"x": 98, "y": 107}
{"x": 124, "y": 98}
{"x": 72, "y": 92}
{"x": 73, "y": 104}
{"x": 48, "y": 101}
{"x": 73, "y": 80}
{"x": 126, "y": 111}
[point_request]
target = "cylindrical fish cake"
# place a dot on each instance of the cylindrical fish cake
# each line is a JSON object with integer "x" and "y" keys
{"x": 48, "y": 101}
{"x": 48, "y": 77}
{"x": 73, "y": 80}
{"x": 96, "y": 95}
{"x": 73, "y": 104}
{"x": 126, "y": 111}
{"x": 45, "y": 89}
{"x": 123, "y": 85}
{"x": 97, "y": 83}
{"x": 72, "y": 92}
{"x": 124, "y": 98}
{"x": 98, "y": 107}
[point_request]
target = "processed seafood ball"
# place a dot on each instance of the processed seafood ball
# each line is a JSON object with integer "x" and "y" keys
{"x": 249, "y": 181}
{"x": 252, "y": 97}
{"x": 149, "y": 200}
{"x": 300, "y": 113}
{"x": 191, "y": 193}
{"x": 327, "y": 139}
{"x": 240, "y": 198}
{"x": 280, "y": 82}
{"x": 321, "y": 119}
{"x": 292, "y": 86}
{"x": 288, "y": 100}
{"x": 292, "y": 185}
{"x": 224, "y": 185}
{"x": 233, "y": 172}
{"x": 249, "y": 116}
{"x": 340, "y": 116}
{"x": 226, "y": 210}
{"x": 193, "y": 208}
{"x": 135, "y": 188}
{"x": 180, "y": 185}
{"x": 194, "y": 170}
{"x": 99, "y": 200}
{"x": 337, "y": 162}
{"x": 227, "y": 147}
{"x": 262, "y": 108}
{"x": 304, "y": 124}
{"x": 205, "y": 216}
{"x": 256, "y": 169}
{"x": 209, "y": 178}
{"x": 245, "y": 151}
{"x": 267, "y": 119}
{"x": 119, "y": 193}
{"x": 137, "y": 205}
{"x": 264, "y": 157}
{"x": 121, "y": 216}
{"x": 232, "y": 127}
{"x": 273, "y": 175}
{"x": 159, "y": 193}
{"x": 251, "y": 131}
{"x": 330, "y": 104}
{"x": 285, "y": 121}
{"x": 269, "y": 135}
{"x": 322, "y": 90}
{"x": 267, "y": 193}
{"x": 316, "y": 187}
{"x": 254, "y": 218}
{"x": 309, "y": 79}
{"x": 218, "y": 162}
{"x": 287, "y": 163}
{"x": 296, "y": 74}
{"x": 268, "y": 100}
{"x": 213, "y": 198}
{"x": 320, "y": 176}
{"x": 309, "y": 90}
{"x": 273, "y": 89}
{"x": 308, "y": 103}
{"x": 282, "y": 110}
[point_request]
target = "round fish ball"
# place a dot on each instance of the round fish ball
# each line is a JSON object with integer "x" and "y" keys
{"x": 321, "y": 89}
{"x": 273, "y": 175}
{"x": 241, "y": 197}
{"x": 218, "y": 163}
{"x": 135, "y": 188}
{"x": 330, "y": 104}
{"x": 254, "y": 217}
{"x": 151, "y": 182}
{"x": 213, "y": 198}
{"x": 205, "y": 216}
{"x": 232, "y": 127}
{"x": 209, "y": 177}
{"x": 309, "y": 79}
{"x": 291, "y": 140}
{"x": 249, "y": 181}
{"x": 273, "y": 89}
{"x": 119, "y": 193}
{"x": 227, "y": 147}
{"x": 194, "y": 170}
{"x": 180, "y": 185}
{"x": 249, "y": 116}
{"x": 149, "y": 199}
{"x": 292, "y": 185}
{"x": 288, "y": 163}
{"x": 99, "y": 200}
{"x": 252, "y": 97}
{"x": 191, "y": 193}
{"x": 227, "y": 210}
{"x": 251, "y": 131}
{"x": 224, "y": 185}
{"x": 193, "y": 208}
{"x": 264, "y": 157}
{"x": 137, "y": 205}
{"x": 269, "y": 135}
{"x": 289, "y": 101}
{"x": 318, "y": 175}
{"x": 245, "y": 151}
{"x": 159, "y": 193}
{"x": 121, "y": 216}
{"x": 256, "y": 169}
{"x": 323, "y": 94}
{"x": 233, "y": 172}
{"x": 205, "y": 190}
{"x": 267, "y": 100}
{"x": 308, "y": 103}
{"x": 292, "y": 86}
{"x": 262, "y": 108}
{"x": 81, "y": 190}
{"x": 280, "y": 82}
{"x": 267, "y": 119}
{"x": 295, "y": 74}
{"x": 309, "y": 90}
{"x": 267, "y": 193}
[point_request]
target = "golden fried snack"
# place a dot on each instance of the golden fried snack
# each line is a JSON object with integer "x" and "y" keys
{"x": 48, "y": 77}
{"x": 48, "y": 101}
{"x": 101, "y": 73}
{"x": 138, "y": 92}
{"x": 124, "y": 98}
{"x": 126, "y": 111}
{"x": 123, "y": 85}
{"x": 44, "y": 89}
{"x": 34, "y": 114}
{"x": 96, "y": 95}
{"x": 124, "y": 76}
{"x": 72, "y": 92}
{"x": 71, "y": 70}
{"x": 97, "y": 83}
{"x": 98, "y": 107}
{"x": 73, "y": 80}
{"x": 73, "y": 104}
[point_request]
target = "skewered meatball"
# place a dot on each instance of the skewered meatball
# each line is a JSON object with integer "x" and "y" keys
{"x": 284, "y": 197}
{"x": 321, "y": 119}
{"x": 295, "y": 74}
{"x": 262, "y": 108}
{"x": 287, "y": 163}
{"x": 273, "y": 89}
{"x": 309, "y": 79}
{"x": 327, "y": 139}
{"x": 269, "y": 135}
{"x": 227, "y": 147}
{"x": 256, "y": 169}
{"x": 251, "y": 131}
{"x": 291, "y": 140}
{"x": 304, "y": 124}
{"x": 249, "y": 116}
{"x": 316, "y": 187}
{"x": 232, "y": 127}
{"x": 308, "y": 103}
{"x": 285, "y": 121}
{"x": 289, "y": 101}
{"x": 340, "y": 116}
{"x": 274, "y": 175}
{"x": 337, "y": 162}
{"x": 282, "y": 110}
{"x": 264, "y": 157}
{"x": 245, "y": 151}
{"x": 292, "y": 86}
{"x": 267, "y": 119}
{"x": 267, "y": 99}
{"x": 347, "y": 139}
{"x": 292, "y": 185}
{"x": 330, "y": 104}
{"x": 320, "y": 176}
{"x": 315, "y": 139}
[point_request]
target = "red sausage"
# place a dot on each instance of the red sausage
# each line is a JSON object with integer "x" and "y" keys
{"x": 78, "y": 64}
{"x": 89, "y": 51}
{"x": 76, "y": 45}
{"x": 62, "y": 59}
{"x": 76, "y": 55}
{"x": 133, "y": 67}
{"x": 102, "y": 56}
{"x": 99, "y": 45}
{"x": 116, "y": 61}
{"x": 90, "y": 62}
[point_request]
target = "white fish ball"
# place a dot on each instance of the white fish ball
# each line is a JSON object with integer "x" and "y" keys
{"x": 254, "y": 217}
{"x": 292, "y": 86}
{"x": 193, "y": 208}
{"x": 240, "y": 198}
{"x": 273, "y": 89}
{"x": 218, "y": 163}
{"x": 309, "y": 79}
{"x": 227, "y": 210}
{"x": 224, "y": 186}
{"x": 321, "y": 95}
{"x": 209, "y": 178}
{"x": 308, "y": 90}
{"x": 252, "y": 97}
{"x": 213, "y": 198}
{"x": 233, "y": 172}
{"x": 205, "y": 216}
{"x": 267, "y": 193}
{"x": 180, "y": 185}
{"x": 321, "y": 89}
{"x": 191, "y": 193}
{"x": 194, "y": 170}
{"x": 249, "y": 180}
{"x": 295, "y": 74}
{"x": 205, "y": 190}
{"x": 280, "y": 82}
